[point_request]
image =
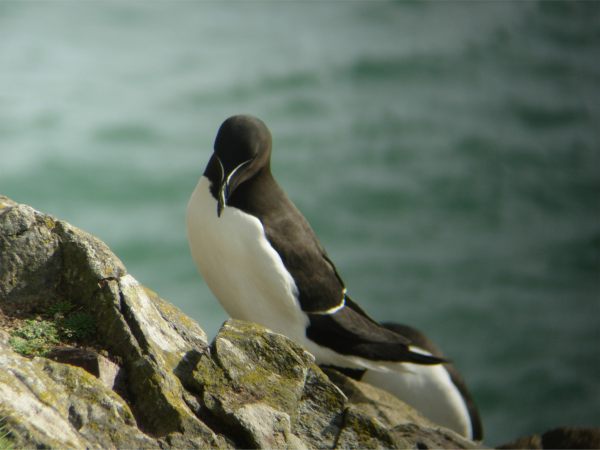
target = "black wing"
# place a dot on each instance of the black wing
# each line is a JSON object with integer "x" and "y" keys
{"x": 350, "y": 331}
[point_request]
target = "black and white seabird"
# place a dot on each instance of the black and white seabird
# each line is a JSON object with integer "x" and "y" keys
{"x": 263, "y": 262}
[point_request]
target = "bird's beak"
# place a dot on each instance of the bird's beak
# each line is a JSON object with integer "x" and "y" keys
{"x": 228, "y": 185}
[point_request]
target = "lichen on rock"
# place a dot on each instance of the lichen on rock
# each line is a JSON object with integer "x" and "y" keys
{"x": 253, "y": 372}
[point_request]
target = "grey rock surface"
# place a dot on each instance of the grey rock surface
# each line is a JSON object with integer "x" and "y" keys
{"x": 562, "y": 437}
{"x": 249, "y": 388}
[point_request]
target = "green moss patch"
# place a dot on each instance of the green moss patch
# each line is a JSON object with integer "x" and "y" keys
{"x": 34, "y": 337}
{"x": 62, "y": 324}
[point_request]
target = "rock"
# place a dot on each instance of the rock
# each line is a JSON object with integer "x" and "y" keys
{"x": 564, "y": 437}
{"x": 250, "y": 388}
{"x": 53, "y": 405}
{"x": 253, "y": 376}
{"x": 254, "y": 380}
{"x": 392, "y": 420}
{"x": 375, "y": 412}
{"x": 91, "y": 361}
{"x": 44, "y": 261}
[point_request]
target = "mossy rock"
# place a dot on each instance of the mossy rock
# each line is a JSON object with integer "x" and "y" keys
{"x": 253, "y": 373}
{"x": 250, "y": 388}
{"x": 52, "y": 405}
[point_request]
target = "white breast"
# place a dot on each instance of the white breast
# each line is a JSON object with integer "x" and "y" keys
{"x": 240, "y": 267}
{"x": 428, "y": 389}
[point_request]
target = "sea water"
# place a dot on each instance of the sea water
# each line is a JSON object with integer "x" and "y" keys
{"x": 447, "y": 155}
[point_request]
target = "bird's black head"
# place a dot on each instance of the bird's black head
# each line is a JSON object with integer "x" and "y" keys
{"x": 242, "y": 149}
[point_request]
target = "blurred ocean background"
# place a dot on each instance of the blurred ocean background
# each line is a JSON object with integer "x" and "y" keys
{"x": 447, "y": 155}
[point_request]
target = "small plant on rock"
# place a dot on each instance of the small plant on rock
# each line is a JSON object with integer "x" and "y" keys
{"x": 60, "y": 324}
{"x": 78, "y": 326}
{"x": 34, "y": 337}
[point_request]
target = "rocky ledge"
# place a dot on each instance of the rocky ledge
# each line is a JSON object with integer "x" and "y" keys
{"x": 92, "y": 359}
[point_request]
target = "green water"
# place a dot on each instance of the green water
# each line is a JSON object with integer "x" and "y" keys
{"x": 447, "y": 155}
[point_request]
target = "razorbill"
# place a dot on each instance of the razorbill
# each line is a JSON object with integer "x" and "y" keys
{"x": 263, "y": 262}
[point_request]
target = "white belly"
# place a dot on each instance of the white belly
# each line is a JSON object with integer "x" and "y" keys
{"x": 240, "y": 267}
